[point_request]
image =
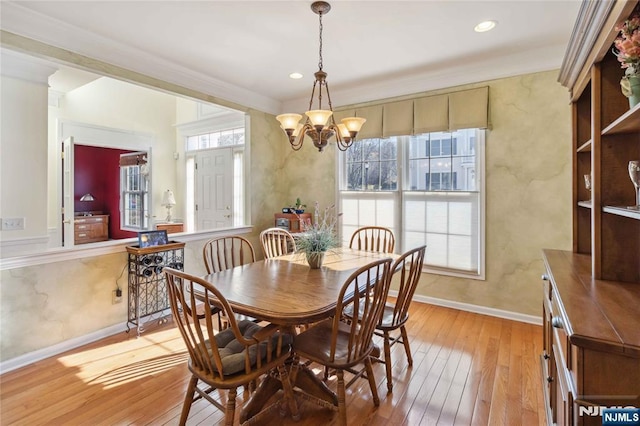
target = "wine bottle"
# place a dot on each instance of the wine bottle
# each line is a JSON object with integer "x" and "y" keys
{"x": 147, "y": 272}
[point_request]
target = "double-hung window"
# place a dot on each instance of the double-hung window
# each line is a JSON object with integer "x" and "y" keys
{"x": 427, "y": 188}
{"x": 134, "y": 188}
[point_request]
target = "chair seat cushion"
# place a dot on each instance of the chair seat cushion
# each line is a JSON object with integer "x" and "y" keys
{"x": 315, "y": 344}
{"x": 232, "y": 352}
{"x": 386, "y": 322}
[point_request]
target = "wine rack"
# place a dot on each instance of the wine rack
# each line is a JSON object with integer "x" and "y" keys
{"x": 148, "y": 298}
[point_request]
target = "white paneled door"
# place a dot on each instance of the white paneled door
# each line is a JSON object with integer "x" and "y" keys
{"x": 214, "y": 188}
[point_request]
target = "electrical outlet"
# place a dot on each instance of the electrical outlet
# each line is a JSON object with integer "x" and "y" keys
{"x": 12, "y": 224}
{"x": 115, "y": 297}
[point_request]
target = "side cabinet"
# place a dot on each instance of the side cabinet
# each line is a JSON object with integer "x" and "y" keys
{"x": 591, "y": 357}
{"x": 290, "y": 221}
{"x": 90, "y": 229}
{"x": 148, "y": 294}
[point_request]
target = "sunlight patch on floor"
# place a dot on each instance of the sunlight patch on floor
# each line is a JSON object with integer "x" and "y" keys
{"x": 122, "y": 362}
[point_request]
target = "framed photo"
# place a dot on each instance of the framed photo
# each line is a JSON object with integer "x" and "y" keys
{"x": 152, "y": 238}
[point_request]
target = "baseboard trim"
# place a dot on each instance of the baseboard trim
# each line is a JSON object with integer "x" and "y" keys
{"x": 499, "y": 313}
{"x": 58, "y": 348}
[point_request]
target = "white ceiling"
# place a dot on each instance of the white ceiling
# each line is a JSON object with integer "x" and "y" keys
{"x": 243, "y": 51}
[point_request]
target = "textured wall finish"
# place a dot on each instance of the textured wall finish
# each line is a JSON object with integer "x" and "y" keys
{"x": 528, "y": 187}
{"x": 528, "y": 158}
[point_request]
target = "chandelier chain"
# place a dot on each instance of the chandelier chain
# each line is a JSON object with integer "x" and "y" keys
{"x": 320, "y": 50}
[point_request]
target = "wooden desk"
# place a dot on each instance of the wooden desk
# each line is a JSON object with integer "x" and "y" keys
{"x": 285, "y": 291}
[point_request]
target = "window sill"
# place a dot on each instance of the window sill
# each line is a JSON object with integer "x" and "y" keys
{"x": 106, "y": 248}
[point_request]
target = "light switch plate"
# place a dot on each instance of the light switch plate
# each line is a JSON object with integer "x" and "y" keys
{"x": 12, "y": 224}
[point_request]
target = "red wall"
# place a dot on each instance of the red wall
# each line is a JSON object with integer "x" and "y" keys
{"x": 97, "y": 171}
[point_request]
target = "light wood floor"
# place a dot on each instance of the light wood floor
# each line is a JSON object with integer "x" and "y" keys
{"x": 468, "y": 369}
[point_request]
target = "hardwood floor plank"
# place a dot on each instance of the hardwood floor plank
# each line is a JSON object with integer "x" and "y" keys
{"x": 514, "y": 390}
{"x": 452, "y": 358}
{"x": 468, "y": 369}
{"x": 452, "y": 402}
{"x": 531, "y": 383}
{"x": 484, "y": 374}
{"x": 467, "y": 402}
{"x": 425, "y": 349}
{"x": 438, "y": 356}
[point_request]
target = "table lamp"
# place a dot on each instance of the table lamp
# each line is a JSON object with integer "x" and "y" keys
{"x": 168, "y": 200}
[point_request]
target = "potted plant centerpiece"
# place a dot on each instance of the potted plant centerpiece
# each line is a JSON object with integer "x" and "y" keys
{"x": 627, "y": 50}
{"x": 318, "y": 237}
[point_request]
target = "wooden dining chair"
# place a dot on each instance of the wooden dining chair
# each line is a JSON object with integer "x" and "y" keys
{"x": 224, "y": 253}
{"x": 228, "y": 359}
{"x": 276, "y": 242}
{"x": 405, "y": 273}
{"x": 220, "y": 254}
{"x": 406, "y": 270}
{"x": 338, "y": 345}
{"x": 373, "y": 238}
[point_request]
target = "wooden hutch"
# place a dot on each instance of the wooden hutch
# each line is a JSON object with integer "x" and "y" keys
{"x": 591, "y": 302}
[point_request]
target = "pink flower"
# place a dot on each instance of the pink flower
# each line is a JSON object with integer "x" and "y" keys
{"x": 627, "y": 45}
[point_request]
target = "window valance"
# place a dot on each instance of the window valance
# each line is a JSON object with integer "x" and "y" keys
{"x": 445, "y": 112}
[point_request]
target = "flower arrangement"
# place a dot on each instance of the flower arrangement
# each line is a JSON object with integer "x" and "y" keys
{"x": 627, "y": 45}
{"x": 627, "y": 50}
{"x": 318, "y": 237}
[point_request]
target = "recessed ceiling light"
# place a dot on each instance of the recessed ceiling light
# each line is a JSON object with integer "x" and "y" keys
{"x": 485, "y": 26}
{"x": 295, "y": 75}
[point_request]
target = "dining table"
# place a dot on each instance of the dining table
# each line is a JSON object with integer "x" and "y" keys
{"x": 285, "y": 291}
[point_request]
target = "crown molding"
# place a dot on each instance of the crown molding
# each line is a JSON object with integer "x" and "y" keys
{"x": 24, "y": 22}
{"x": 591, "y": 18}
{"x": 444, "y": 77}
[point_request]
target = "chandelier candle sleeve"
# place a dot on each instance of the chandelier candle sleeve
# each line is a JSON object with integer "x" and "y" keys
{"x": 320, "y": 124}
{"x": 319, "y": 118}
